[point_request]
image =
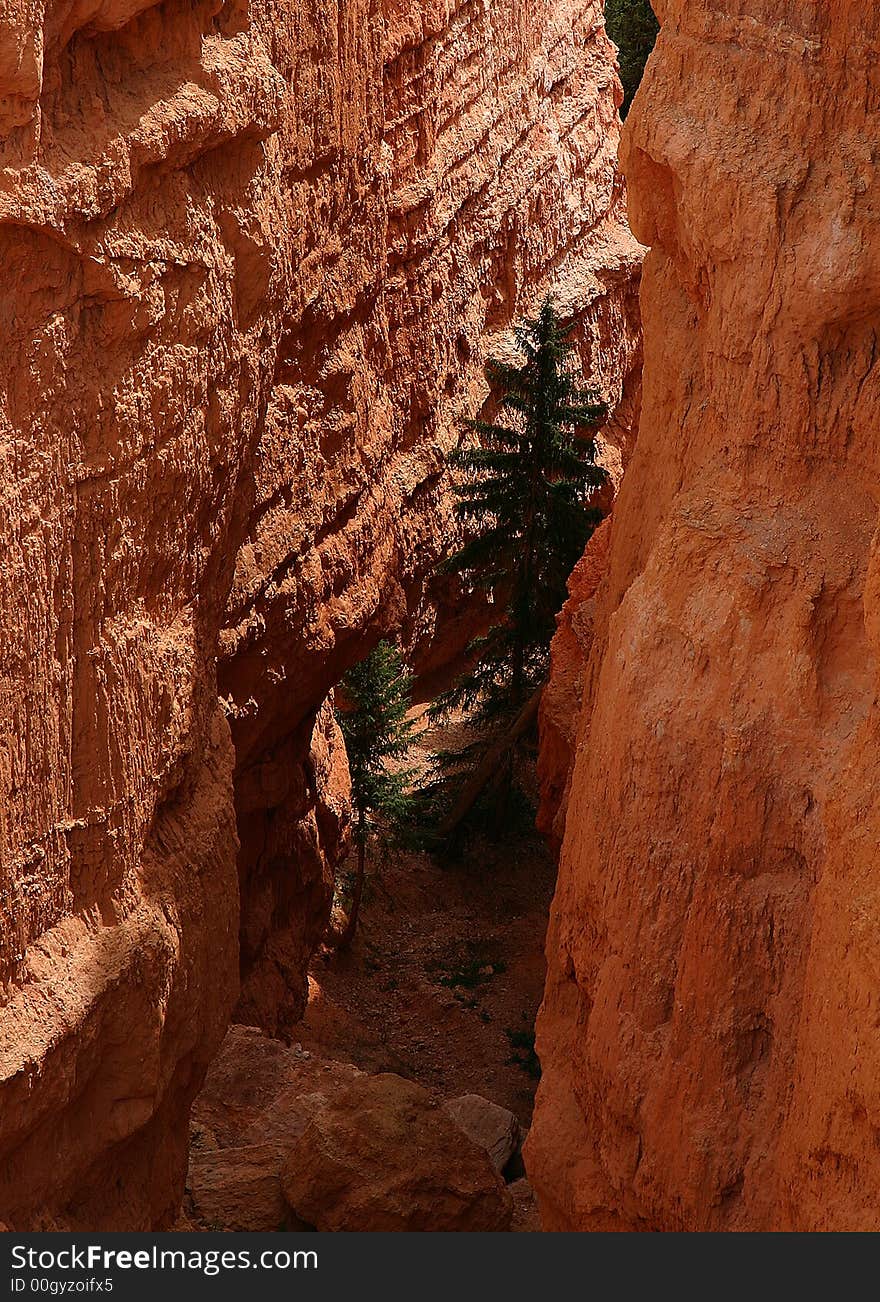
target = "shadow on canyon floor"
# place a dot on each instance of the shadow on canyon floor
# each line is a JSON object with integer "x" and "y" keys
{"x": 441, "y": 987}
{"x": 444, "y": 981}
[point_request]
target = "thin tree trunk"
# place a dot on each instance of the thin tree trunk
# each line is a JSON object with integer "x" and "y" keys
{"x": 524, "y": 587}
{"x": 519, "y": 668}
{"x": 488, "y": 766}
{"x": 348, "y": 934}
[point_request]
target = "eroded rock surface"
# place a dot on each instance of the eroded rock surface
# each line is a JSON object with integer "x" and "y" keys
{"x": 708, "y": 1033}
{"x": 253, "y": 255}
{"x": 448, "y": 164}
{"x": 259, "y": 1096}
{"x": 131, "y": 389}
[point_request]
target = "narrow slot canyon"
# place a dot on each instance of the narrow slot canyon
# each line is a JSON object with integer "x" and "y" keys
{"x": 261, "y": 259}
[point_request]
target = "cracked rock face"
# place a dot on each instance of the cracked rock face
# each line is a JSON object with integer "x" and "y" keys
{"x": 708, "y": 1043}
{"x": 129, "y": 406}
{"x": 447, "y": 163}
{"x": 253, "y": 255}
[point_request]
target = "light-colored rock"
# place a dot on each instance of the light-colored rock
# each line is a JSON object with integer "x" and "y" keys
{"x": 383, "y": 1155}
{"x": 491, "y": 1127}
{"x": 708, "y": 1036}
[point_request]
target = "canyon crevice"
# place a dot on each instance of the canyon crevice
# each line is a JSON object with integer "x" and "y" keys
{"x": 468, "y": 153}
{"x": 708, "y": 1031}
{"x": 255, "y": 256}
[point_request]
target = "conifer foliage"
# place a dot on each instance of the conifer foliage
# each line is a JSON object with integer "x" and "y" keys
{"x": 633, "y": 28}
{"x": 376, "y": 729}
{"x": 525, "y": 496}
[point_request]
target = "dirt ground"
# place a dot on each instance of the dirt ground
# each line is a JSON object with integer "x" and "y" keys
{"x": 445, "y": 976}
{"x": 444, "y": 979}
{"x": 441, "y": 985}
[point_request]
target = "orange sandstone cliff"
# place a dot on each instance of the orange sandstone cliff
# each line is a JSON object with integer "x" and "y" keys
{"x": 708, "y": 1036}
{"x": 253, "y": 256}
{"x": 460, "y": 160}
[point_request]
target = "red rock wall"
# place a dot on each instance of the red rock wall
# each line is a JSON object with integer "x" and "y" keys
{"x": 252, "y": 256}
{"x": 466, "y": 163}
{"x": 708, "y": 1032}
{"x": 130, "y": 393}
{"x": 561, "y": 699}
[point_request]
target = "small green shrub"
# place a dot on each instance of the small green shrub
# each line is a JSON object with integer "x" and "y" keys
{"x": 523, "y": 1053}
{"x": 472, "y": 974}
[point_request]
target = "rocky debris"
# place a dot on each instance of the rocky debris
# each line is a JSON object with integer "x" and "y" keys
{"x": 284, "y": 1138}
{"x": 259, "y": 1096}
{"x": 388, "y": 1007}
{"x": 383, "y": 1155}
{"x": 491, "y": 1127}
{"x": 526, "y": 1217}
{"x": 260, "y": 1091}
{"x": 708, "y": 1033}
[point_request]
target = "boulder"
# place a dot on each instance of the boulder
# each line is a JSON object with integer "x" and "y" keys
{"x": 489, "y": 1125}
{"x": 382, "y": 1154}
{"x": 239, "y": 1188}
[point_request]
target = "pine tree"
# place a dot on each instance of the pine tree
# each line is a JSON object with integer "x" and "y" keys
{"x": 376, "y": 729}
{"x": 633, "y": 28}
{"x": 525, "y": 495}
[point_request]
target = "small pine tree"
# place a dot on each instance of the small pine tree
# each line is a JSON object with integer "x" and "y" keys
{"x": 525, "y": 495}
{"x": 378, "y": 694}
{"x": 633, "y": 28}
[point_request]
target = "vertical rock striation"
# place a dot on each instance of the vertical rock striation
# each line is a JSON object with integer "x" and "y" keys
{"x": 130, "y": 394}
{"x": 253, "y": 255}
{"x": 708, "y": 1033}
{"x": 448, "y": 164}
